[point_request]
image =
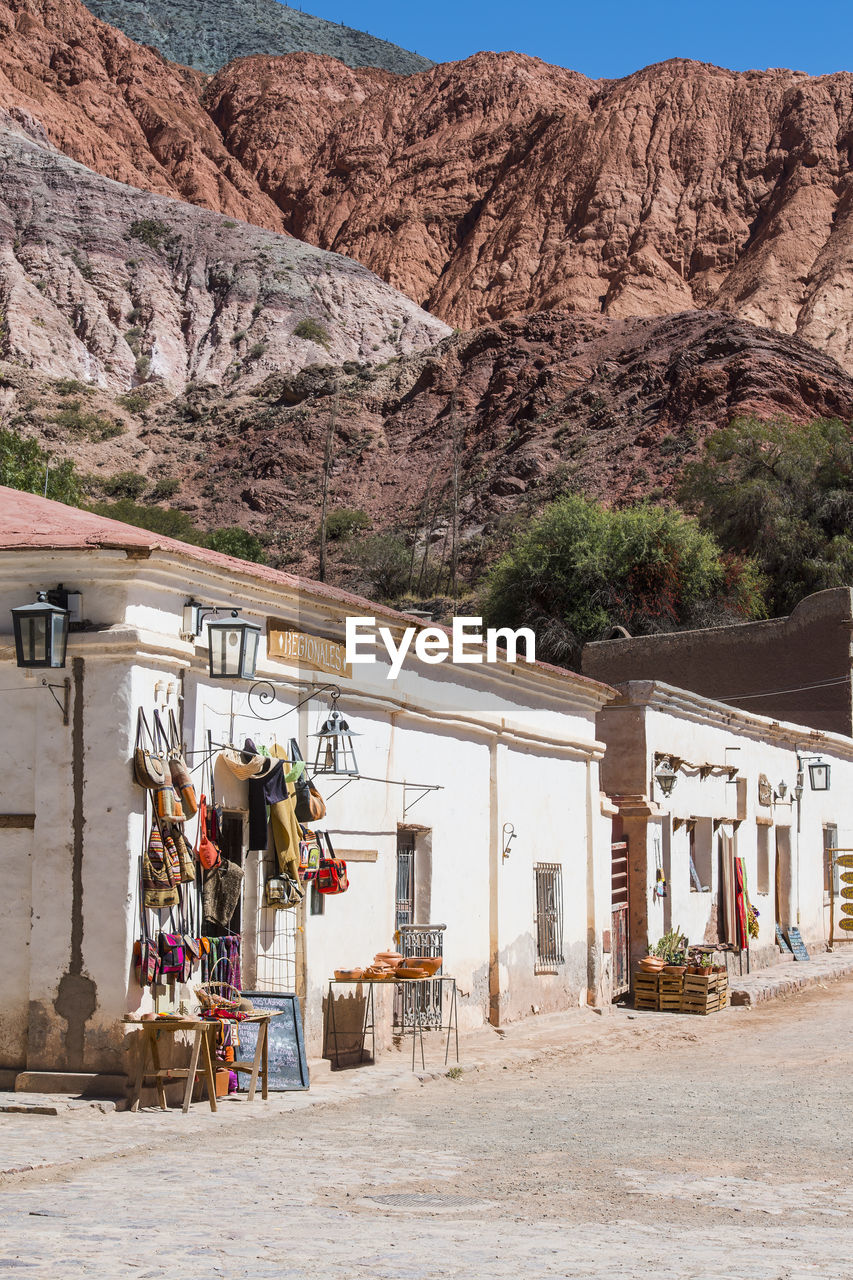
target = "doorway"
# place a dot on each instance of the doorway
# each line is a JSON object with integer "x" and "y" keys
{"x": 785, "y": 905}
{"x": 619, "y": 937}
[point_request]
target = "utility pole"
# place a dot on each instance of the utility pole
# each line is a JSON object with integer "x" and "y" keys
{"x": 327, "y": 471}
{"x": 454, "y": 543}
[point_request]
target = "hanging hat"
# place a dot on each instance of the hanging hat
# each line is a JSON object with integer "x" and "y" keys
{"x": 239, "y": 766}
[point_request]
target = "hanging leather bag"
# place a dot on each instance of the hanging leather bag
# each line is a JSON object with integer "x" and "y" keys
{"x": 332, "y": 871}
{"x": 181, "y": 779}
{"x": 149, "y": 765}
{"x": 310, "y": 805}
{"x": 205, "y": 850}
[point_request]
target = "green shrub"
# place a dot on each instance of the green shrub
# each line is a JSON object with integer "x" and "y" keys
{"x": 76, "y": 422}
{"x": 581, "y": 569}
{"x": 256, "y": 351}
{"x": 133, "y": 401}
{"x": 172, "y": 524}
{"x": 236, "y": 542}
{"x": 345, "y": 521}
{"x": 312, "y": 331}
{"x": 124, "y": 484}
{"x": 24, "y": 465}
{"x": 150, "y": 231}
{"x": 143, "y": 366}
{"x": 166, "y": 487}
{"x": 782, "y": 492}
{"x": 70, "y": 387}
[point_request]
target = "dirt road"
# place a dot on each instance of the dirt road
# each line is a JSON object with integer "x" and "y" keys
{"x": 647, "y": 1146}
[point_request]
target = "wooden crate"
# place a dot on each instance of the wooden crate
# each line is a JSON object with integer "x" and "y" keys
{"x": 705, "y": 994}
{"x": 671, "y": 993}
{"x": 646, "y": 990}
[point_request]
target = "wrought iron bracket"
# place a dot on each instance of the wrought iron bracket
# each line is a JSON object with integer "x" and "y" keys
{"x": 263, "y": 693}
{"x": 65, "y": 688}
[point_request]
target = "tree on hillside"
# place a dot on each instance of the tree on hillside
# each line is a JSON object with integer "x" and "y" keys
{"x": 24, "y": 465}
{"x": 581, "y": 569}
{"x": 782, "y": 493}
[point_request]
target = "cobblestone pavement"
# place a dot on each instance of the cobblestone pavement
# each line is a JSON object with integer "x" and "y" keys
{"x": 631, "y": 1145}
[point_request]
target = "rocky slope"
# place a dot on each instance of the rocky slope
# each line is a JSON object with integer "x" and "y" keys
{"x": 531, "y": 407}
{"x": 207, "y": 34}
{"x": 501, "y": 185}
{"x": 104, "y": 283}
{"x": 119, "y": 108}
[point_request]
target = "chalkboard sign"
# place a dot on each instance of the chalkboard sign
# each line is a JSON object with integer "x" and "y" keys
{"x": 287, "y": 1064}
{"x": 797, "y": 945}
{"x": 781, "y": 939}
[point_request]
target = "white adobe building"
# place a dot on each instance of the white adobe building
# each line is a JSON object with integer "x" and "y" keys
{"x": 511, "y": 747}
{"x": 742, "y": 788}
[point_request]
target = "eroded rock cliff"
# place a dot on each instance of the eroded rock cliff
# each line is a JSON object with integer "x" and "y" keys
{"x": 104, "y": 283}
{"x": 501, "y": 185}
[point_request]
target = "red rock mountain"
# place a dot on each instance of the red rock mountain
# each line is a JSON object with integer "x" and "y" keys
{"x": 120, "y": 108}
{"x": 501, "y": 184}
{"x": 487, "y": 187}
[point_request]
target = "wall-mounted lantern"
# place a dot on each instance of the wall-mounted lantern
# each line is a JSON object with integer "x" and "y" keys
{"x": 782, "y": 790}
{"x": 819, "y": 776}
{"x": 665, "y": 775}
{"x": 819, "y": 772}
{"x": 233, "y": 650}
{"x": 335, "y": 751}
{"x": 41, "y": 633}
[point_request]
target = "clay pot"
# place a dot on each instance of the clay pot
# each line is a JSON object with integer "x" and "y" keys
{"x": 431, "y": 964}
{"x": 675, "y": 970}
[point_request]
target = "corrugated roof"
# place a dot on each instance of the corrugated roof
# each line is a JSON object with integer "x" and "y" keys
{"x": 29, "y": 522}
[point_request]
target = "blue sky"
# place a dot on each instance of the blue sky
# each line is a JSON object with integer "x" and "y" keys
{"x": 616, "y": 38}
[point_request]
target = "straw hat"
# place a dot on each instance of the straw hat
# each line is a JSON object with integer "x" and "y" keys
{"x": 241, "y": 766}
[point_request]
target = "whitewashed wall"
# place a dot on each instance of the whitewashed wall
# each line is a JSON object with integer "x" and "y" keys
{"x": 510, "y": 744}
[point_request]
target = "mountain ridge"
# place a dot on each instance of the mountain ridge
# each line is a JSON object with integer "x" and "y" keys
{"x": 207, "y": 34}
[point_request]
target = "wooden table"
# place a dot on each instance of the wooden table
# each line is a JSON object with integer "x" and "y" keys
{"x": 151, "y": 1029}
{"x": 201, "y": 1047}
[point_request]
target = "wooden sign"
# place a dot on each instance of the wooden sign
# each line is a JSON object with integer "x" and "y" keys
{"x": 797, "y": 945}
{"x": 300, "y": 650}
{"x": 288, "y": 1066}
{"x": 847, "y": 908}
{"x": 846, "y": 923}
{"x": 847, "y": 891}
{"x": 765, "y": 791}
{"x": 847, "y": 877}
{"x": 845, "y": 860}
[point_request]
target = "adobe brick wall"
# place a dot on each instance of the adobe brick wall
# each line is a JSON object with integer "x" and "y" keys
{"x": 763, "y": 667}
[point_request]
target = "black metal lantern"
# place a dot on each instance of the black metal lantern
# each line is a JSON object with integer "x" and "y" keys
{"x": 233, "y": 650}
{"x": 41, "y": 633}
{"x": 335, "y": 752}
{"x": 819, "y": 775}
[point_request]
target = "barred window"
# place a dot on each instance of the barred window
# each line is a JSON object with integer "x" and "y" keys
{"x": 548, "y": 880}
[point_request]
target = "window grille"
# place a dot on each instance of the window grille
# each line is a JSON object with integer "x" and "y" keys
{"x": 549, "y": 914}
{"x": 405, "y": 898}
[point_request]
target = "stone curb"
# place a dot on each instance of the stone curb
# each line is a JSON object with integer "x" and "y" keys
{"x": 788, "y": 978}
